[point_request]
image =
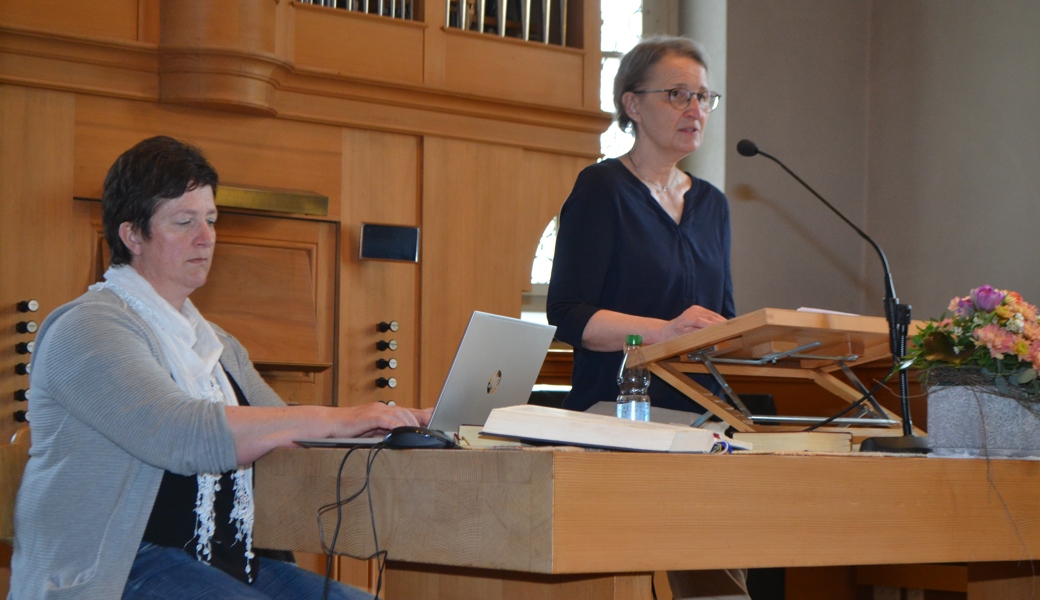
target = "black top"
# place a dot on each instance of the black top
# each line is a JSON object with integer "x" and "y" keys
{"x": 172, "y": 522}
{"x": 618, "y": 249}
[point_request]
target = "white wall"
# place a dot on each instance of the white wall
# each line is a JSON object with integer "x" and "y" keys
{"x": 918, "y": 118}
{"x": 954, "y": 149}
{"x": 797, "y": 85}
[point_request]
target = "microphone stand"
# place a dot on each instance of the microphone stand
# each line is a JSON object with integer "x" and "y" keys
{"x": 898, "y": 316}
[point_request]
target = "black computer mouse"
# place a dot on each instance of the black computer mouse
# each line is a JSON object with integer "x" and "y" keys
{"x": 410, "y": 438}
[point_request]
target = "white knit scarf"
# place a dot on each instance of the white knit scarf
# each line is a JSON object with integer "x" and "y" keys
{"x": 192, "y": 353}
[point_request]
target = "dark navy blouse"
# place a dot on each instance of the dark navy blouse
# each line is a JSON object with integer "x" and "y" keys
{"x": 618, "y": 249}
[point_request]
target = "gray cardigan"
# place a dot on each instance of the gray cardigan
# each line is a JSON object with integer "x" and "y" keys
{"x": 107, "y": 420}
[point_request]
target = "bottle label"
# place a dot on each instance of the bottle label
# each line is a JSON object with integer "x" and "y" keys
{"x": 634, "y": 410}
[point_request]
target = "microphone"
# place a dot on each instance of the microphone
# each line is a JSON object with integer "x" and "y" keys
{"x": 747, "y": 148}
{"x": 898, "y": 316}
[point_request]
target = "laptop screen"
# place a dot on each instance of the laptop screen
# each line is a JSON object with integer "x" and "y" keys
{"x": 496, "y": 365}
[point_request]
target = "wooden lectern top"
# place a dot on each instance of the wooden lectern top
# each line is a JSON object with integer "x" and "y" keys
{"x": 770, "y": 330}
{"x": 774, "y": 342}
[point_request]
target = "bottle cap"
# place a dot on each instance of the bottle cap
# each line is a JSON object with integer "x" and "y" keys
{"x": 634, "y": 340}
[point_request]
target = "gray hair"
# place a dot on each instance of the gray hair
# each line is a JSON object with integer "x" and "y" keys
{"x": 636, "y": 65}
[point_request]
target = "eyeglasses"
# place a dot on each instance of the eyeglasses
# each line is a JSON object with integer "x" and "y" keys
{"x": 680, "y": 98}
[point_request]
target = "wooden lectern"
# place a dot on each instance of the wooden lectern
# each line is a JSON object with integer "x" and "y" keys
{"x": 790, "y": 344}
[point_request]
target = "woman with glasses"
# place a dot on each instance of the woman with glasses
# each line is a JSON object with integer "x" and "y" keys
{"x": 643, "y": 247}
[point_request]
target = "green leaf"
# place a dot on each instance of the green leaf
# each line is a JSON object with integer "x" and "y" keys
{"x": 1002, "y": 385}
{"x": 1026, "y": 376}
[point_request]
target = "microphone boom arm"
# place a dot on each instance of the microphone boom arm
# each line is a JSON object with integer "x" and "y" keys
{"x": 897, "y": 314}
{"x": 890, "y": 291}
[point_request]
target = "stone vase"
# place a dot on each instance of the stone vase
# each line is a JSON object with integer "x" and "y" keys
{"x": 968, "y": 421}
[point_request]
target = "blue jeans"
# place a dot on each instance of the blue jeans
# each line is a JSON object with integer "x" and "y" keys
{"x": 171, "y": 573}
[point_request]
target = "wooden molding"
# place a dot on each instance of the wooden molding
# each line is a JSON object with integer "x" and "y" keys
{"x": 279, "y": 61}
{"x": 219, "y": 54}
{"x": 219, "y": 79}
{"x": 78, "y": 64}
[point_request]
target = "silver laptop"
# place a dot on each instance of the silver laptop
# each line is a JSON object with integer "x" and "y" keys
{"x": 496, "y": 365}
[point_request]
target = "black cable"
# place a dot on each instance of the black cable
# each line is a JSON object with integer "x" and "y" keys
{"x": 380, "y": 555}
{"x": 330, "y": 549}
{"x": 857, "y": 403}
{"x": 339, "y": 519}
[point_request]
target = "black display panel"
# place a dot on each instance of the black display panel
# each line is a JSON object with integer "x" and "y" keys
{"x": 389, "y": 242}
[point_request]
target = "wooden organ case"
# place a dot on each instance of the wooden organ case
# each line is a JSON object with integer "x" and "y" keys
{"x": 402, "y": 118}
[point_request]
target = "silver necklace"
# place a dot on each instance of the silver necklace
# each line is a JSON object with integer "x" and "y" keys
{"x": 661, "y": 188}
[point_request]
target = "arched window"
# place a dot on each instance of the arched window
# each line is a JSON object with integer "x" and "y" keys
{"x": 622, "y": 27}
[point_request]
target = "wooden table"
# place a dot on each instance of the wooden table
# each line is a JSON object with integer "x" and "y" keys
{"x": 544, "y": 520}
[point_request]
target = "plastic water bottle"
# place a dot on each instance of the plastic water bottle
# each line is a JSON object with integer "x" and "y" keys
{"x": 632, "y": 401}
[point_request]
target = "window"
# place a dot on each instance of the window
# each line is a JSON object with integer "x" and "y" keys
{"x": 622, "y": 27}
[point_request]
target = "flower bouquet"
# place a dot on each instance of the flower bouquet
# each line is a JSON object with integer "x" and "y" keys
{"x": 979, "y": 363}
{"x": 989, "y": 338}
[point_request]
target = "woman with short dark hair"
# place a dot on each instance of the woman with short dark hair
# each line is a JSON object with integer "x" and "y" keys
{"x": 146, "y": 417}
{"x": 644, "y": 248}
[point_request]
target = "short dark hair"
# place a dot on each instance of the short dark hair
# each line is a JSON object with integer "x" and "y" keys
{"x": 141, "y": 180}
{"x": 636, "y": 64}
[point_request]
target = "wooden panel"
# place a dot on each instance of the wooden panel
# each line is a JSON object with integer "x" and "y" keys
{"x": 283, "y": 298}
{"x": 470, "y": 246}
{"x": 500, "y": 505}
{"x": 483, "y": 508}
{"x": 286, "y": 318}
{"x": 482, "y": 219}
{"x": 433, "y": 43}
{"x": 106, "y": 19}
{"x": 590, "y": 41}
{"x": 570, "y": 134}
{"x": 507, "y": 68}
{"x": 261, "y": 81}
{"x": 798, "y": 510}
{"x": 243, "y": 25}
{"x": 381, "y": 185}
{"x": 352, "y": 44}
{"x": 127, "y": 69}
{"x": 245, "y": 150}
{"x": 40, "y": 240}
{"x": 412, "y": 581}
{"x": 548, "y": 180}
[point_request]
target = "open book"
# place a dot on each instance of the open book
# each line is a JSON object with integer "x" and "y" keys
{"x": 555, "y": 425}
